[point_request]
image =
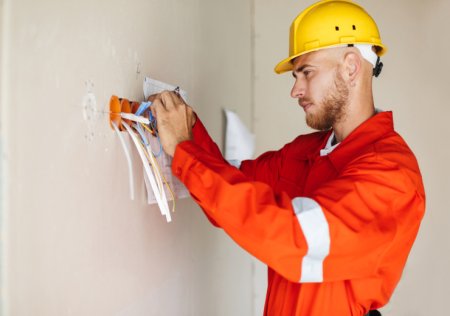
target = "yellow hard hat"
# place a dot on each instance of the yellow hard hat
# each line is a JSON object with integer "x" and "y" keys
{"x": 329, "y": 23}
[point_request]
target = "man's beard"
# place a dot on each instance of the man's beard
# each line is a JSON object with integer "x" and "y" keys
{"x": 332, "y": 108}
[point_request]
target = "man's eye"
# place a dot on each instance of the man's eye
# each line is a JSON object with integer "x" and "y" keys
{"x": 306, "y": 72}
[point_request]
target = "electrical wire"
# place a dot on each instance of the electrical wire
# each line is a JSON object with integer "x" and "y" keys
{"x": 154, "y": 163}
{"x": 161, "y": 175}
{"x": 172, "y": 194}
{"x": 155, "y": 134}
{"x": 153, "y": 173}
{"x": 128, "y": 157}
{"x": 159, "y": 194}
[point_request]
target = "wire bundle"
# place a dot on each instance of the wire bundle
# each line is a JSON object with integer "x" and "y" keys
{"x": 140, "y": 128}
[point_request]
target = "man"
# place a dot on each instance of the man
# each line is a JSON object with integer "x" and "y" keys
{"x": 334, "y": 213}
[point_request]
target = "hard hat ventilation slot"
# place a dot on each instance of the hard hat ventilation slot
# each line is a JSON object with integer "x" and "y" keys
{"x": 337, "y": 28}
{"x": 354, "y": 27}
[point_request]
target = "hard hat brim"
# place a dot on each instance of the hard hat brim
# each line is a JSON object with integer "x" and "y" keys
{"x": 286, "y": 64}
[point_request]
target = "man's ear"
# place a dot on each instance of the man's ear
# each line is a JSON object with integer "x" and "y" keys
{"x": 352, "y": 66}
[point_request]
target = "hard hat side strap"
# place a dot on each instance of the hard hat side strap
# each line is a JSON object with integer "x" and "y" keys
{"x": 378, "y": 68}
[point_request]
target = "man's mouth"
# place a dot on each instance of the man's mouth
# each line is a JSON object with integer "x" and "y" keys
{"x": 305, "y": 105}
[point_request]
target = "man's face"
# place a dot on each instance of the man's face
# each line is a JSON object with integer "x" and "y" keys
{"x": 320, "y": 89}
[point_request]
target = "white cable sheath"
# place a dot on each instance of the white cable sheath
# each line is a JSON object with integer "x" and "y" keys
{"x": 148, "y": 188}
{"x": 153, "y": 162}
{"x": 158, "y": 178}
{"x": 154, "y": 166}
{"x": 164, "y": 207}
{"x": 135, "y": 118}
{"x": 128, "y": 157}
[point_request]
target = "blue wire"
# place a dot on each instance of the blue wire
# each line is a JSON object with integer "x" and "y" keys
{"x": 160, "y": 147}
{"x": 146, "y": 142}
{"x": 152, "y": 120}
{"x": 143, "y": 107}
{"x": 138, "y": 127}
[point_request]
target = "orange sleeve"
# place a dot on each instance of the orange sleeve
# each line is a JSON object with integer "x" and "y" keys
{"x": 201, "y": 138}
{"x": 373, "y": 211}
{"x": 248, "y": 167}
{"x": 344, "y": 230}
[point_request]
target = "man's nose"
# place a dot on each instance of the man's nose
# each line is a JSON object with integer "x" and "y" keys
{"x": 298, "y": 90}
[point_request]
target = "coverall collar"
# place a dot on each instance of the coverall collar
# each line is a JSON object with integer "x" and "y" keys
{"x": 376, "y": 127}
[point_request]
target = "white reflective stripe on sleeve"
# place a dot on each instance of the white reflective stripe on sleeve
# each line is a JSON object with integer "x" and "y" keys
{"x": 315, "y": 228}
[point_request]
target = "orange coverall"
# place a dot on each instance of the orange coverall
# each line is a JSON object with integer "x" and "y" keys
{"x": 334, "y": 230}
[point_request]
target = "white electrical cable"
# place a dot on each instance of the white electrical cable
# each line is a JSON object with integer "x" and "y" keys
{"x": 163, "y": 205}
{"x": 128, "y": 157}
{"x": 135, "y": 118}
{"x": 158, "y": 176}
{"x": 148, "y": 189}
{"x": 156, "y": 189}
{"x": 153, "y": 163}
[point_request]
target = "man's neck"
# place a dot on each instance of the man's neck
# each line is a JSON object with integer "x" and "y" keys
{"x": 355, "y": 116}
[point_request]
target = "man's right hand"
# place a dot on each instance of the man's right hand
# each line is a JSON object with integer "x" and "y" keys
{"x": 174, "y": 119}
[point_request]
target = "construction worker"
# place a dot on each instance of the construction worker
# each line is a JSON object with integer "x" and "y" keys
{"x": 334, "y": 213}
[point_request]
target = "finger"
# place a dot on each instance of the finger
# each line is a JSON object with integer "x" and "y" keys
{"x": 159, "y": 96}
{"x": 159, "y": 113}
{"x": 176, "y": 97}
{"x": 169, "y": 99}
{"x": 190, "y": 114}
{"x": 152, "y": 98}
{"x": 158, "y": 106}
{"x": 153, "y": 110}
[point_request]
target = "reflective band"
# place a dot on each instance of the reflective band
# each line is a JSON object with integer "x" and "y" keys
{"x": 315, "y": 228}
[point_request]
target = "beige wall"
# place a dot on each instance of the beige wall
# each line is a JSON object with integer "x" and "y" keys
{"x": 72, "y": 243}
